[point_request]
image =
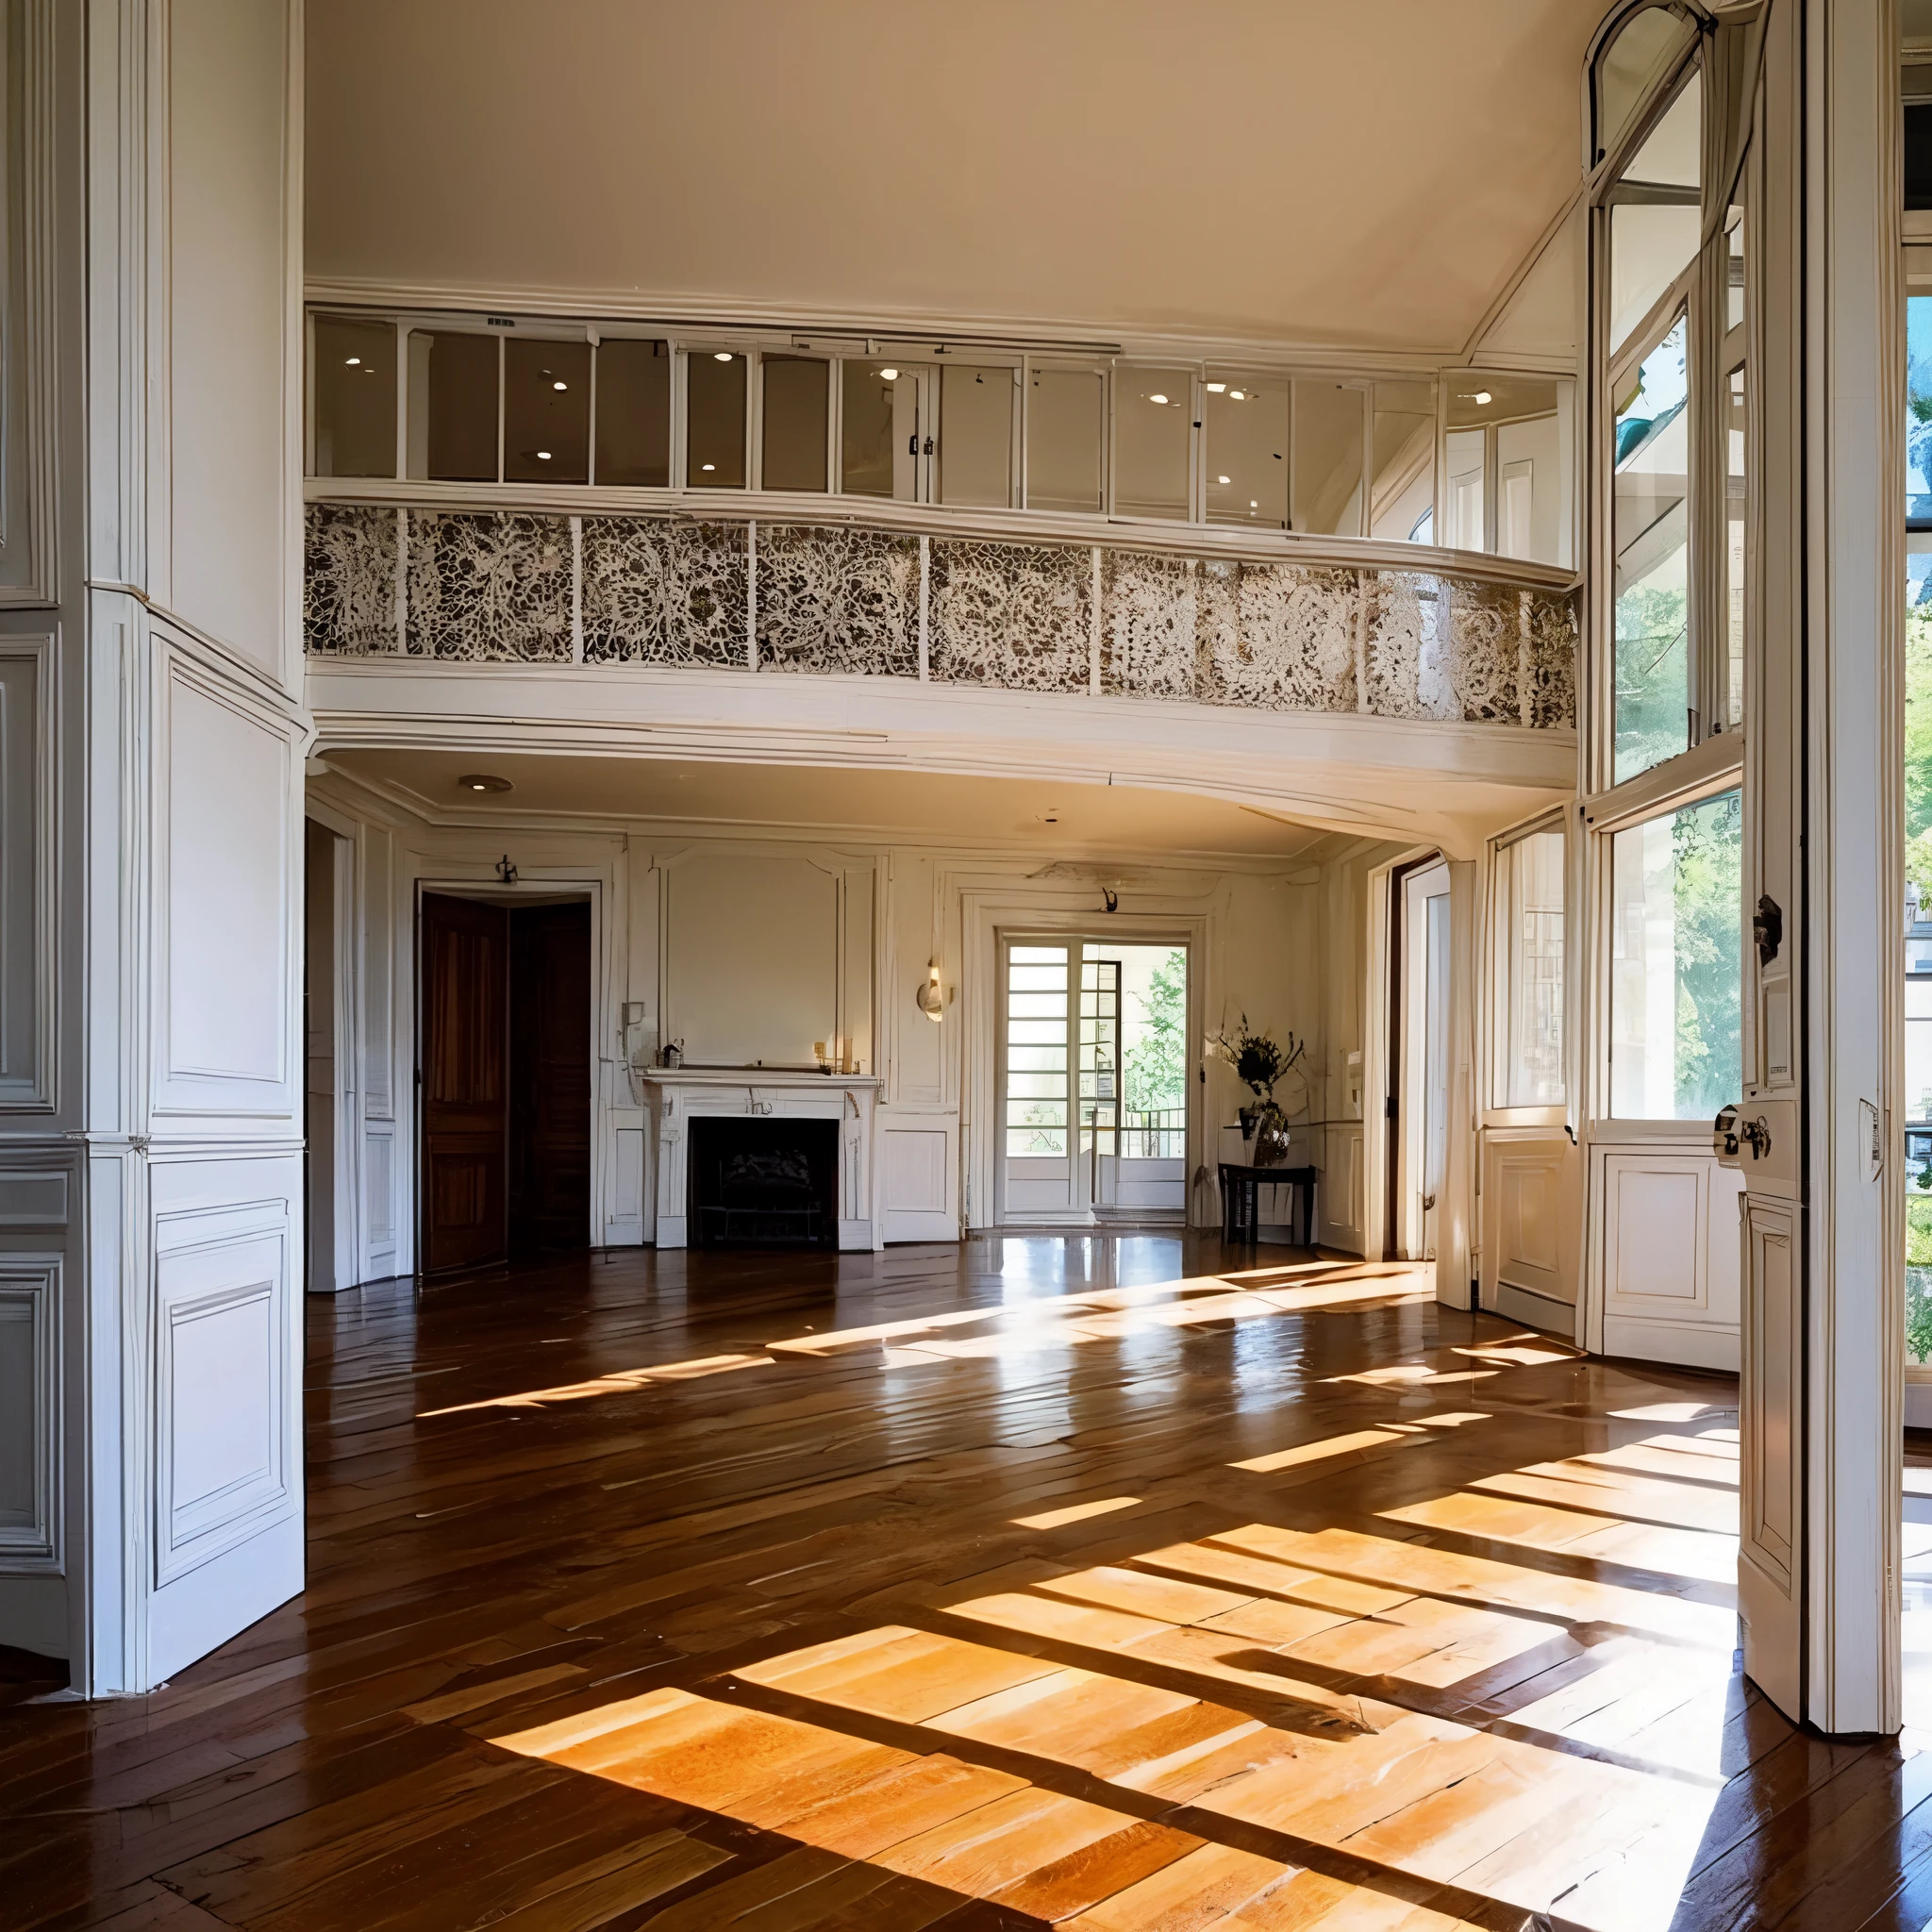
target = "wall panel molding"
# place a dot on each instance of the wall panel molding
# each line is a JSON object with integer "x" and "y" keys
{"x": 30, "y": 1413}
{"x": 29, "y": 818}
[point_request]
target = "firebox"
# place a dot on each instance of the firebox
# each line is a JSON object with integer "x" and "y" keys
{"x": 763, "y": 1182}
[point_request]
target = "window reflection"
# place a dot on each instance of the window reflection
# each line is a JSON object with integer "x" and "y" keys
{"x": 1152, "y": 432}
{"x": 634, "y": 412}
{"x": 1632, "y": 64}
{"x": 355, "y": 372}
{"x": 1066, "y": 422}
{"x": 1325, "y": 474}
{"x": 546, "y": 411}
{"x": 1529, "y": 971}
{"x": 1652, "y": 539}
{"x": 1508, "y": 466}
{"x": 866, "y": 417}
{"x": 1736, "y": 426}
{"x": 1403, "y": 493}
{"x": 1676, "y": 962}
{"x": 1654, "y": 218}
{"x": 453, "y": 397}
{"x": 714, "y": 437}
{"x": 1246, "y": 420}
{"x": 795, "y": 398}
{"x": 977, "y": 435}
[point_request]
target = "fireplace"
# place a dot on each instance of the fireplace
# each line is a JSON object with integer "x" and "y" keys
{"x": 763, "y": 1182}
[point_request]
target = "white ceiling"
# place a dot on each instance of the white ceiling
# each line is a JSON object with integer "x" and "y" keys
{"x": 1051, "y": 819}
{"x": 1292, "y": 172}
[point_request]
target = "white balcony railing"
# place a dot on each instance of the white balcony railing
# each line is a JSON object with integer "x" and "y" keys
{"x": 1111, "y": 619}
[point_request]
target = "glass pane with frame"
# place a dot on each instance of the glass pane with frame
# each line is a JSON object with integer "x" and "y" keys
{"x": 1656, "y": 219}
{"x": 1737, "y": 491}
{"x": 1325, "y": 472}
{"x": 1649, "y": 44}
{"x": 1529, "y": 971}
{"x": 714, "y": 426}
{"x": 977, "y": 435}
{"x": 1151, "y": 437}
{"x": 796, "y": 400}
{"x": 1036, "y": 1101}
{"x": 1246, "y": 452}
{"x": 633, "y": 413}
{"x": 355, "y": 371}
{"x": 546, "y": 411}
{"x": 1652, "y": 541}
{"x": 1402, "y": 498}
{"x": 1066, "y": 426}
{"x": 1676, "y": 962}
{"x": 866, "y": 420}
{"x": 453, "y": 398}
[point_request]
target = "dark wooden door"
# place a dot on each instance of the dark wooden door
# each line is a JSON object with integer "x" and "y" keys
{"x": 550, "y": 1077}
{"x": 465, "y": 1083}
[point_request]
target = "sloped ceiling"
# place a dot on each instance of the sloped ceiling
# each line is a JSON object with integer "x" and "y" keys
{"x": 1280, "y": 172}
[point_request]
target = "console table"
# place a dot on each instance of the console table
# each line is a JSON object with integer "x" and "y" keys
{"x": 1241, "y": 1200}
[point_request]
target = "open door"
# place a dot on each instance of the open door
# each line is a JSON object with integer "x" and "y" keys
{"x": 1422, "y": 1109}
{"x": 465, "y": 1087}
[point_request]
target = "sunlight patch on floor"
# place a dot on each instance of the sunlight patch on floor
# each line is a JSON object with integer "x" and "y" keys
{"x": 1107, "y": 1314}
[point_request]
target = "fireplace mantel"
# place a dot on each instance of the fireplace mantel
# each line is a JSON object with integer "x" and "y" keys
{"x": 671, "y": 1095}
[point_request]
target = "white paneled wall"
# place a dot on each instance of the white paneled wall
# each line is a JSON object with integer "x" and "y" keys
{"x": 151, "y": 751}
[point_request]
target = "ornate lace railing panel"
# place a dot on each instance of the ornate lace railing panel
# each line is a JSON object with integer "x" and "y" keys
{"x": 846, "y": 600}
{"x": 838, "y": 599}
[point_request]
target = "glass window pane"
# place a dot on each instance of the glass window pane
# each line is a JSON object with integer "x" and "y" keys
{"x": 634, "y": 413}
{"x": 794, "y": 425}
{"x": 1734, "y": 268}
{"x": 1326, "y": 471}
{"x": 1466, "y": 459}
{"x": 866, "y": 443}
{"x": 1655, "y": 220}
{"x": 714, "y": 433}
{"x": 977, "y": 435}
{"x": 1529, "y": 971}
{"x": 1676, "y": 958}
{"x": 1506, "y": 433}
{"x": 1066, "y": 420}
{"x": 1672, "y": 151}
{"x": 546, "y": 411}
{"x": 1735, "y": 492}
{"x": 1919, "y": 413}
{"x": 453, "y": 406}
{"x": 1651, "y": 581}
{"x": 1152, "y": 429}
{"x": 1631, "y": 65}
{"x": 1247, "y": 451}
{"x": 1402, "y": 501}
{"x": 355, "y": 397}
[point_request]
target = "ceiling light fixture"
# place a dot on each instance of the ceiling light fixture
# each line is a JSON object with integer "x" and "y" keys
{"x": 560, "y": 384}
{"x": 889, "y": 376}
{"x": 1237, "y": 395}
{"x": 707, "y": 466}
{"x": 720, "y": 354}
{"x": 354, "y": 361}
{"x": 1157, "y": 399}
{"x": 1482, "y": 396}
{"x": 1224, "y": 479}
{"x": 483, "y": 781}
{"x": 1216, "y": 388}
{"x": 543, "y": 456}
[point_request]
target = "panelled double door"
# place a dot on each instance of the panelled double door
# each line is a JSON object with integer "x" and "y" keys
{"x": 1092, "y": 1080}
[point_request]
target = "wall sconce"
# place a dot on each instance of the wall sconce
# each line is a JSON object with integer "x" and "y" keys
{"x": 931, "y": 995}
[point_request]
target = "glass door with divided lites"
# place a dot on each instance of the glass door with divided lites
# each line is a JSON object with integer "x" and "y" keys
{"x": 1092, "y": 1080}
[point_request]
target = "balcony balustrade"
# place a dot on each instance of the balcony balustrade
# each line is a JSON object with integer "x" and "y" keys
{"x": 854, "y": 598}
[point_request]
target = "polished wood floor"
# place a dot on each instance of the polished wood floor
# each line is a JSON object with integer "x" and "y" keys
{"x": 1110, "y": 1584}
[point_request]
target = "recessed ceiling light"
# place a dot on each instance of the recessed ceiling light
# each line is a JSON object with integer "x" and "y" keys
{"x": 1482, "y": 395}
{"x": 354, "y": 361}
{"x": 1224, "y": 479}
{"x": 707, "y": 466}
{"x": 560, "y": 384}
{"x": 720, "y": 354}
{"x": 1157, "y": 399}
{"x": 1217, "y": 389}
{"x": 543, "y": 456}
{"x": 1237, "y": 395}
{"x": 1253, "y": 504}
{"x": 889, "y": 376}
{"x": 483, "y": 781}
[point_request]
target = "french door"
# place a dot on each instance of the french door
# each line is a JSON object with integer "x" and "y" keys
{"x": 1092, "y": 1080}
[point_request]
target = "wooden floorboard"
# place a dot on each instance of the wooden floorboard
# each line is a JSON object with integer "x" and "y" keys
{"x": 1110, "y": 1583}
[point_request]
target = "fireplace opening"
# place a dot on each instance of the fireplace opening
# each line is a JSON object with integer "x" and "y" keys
{"x": 763, "y": 1183}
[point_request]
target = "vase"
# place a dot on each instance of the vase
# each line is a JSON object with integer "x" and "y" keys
{"x": 1270, "y": 1137}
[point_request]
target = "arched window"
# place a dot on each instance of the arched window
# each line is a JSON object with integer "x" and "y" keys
{"x": 1633, "y": 55}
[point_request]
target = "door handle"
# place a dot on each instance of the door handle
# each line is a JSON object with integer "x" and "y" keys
{"x": 1723, "y": 1137}
{"x": 929, "y": 446}
{"x": 1756, "y": 1135}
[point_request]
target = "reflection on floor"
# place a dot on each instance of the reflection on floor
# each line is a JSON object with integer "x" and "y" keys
{"x": 1108, "y": 1584}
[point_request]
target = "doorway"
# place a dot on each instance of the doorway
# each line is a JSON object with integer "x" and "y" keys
{"x": 1419, "y": 1116}
{"x": 505, "y": 1006}
{"x": 330, "y": 1260}
{"x": 1094, "y": 1087}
